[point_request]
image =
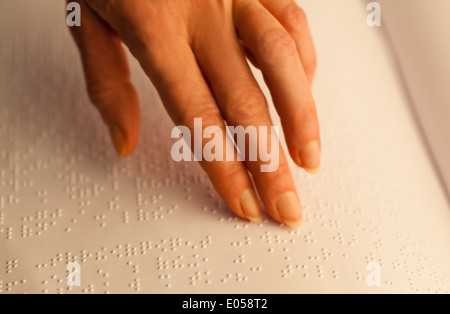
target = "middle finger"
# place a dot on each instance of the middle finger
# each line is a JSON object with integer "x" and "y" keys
{"x": 243, "y": 104}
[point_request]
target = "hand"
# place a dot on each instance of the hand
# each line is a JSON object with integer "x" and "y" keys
{"x": 194, "y": 51}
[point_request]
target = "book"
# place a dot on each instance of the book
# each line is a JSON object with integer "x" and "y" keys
{"x": 377, "y": 215}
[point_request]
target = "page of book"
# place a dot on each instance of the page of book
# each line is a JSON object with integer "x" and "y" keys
{"x": 376, "y": 217}
{"x": 420, "y": 36}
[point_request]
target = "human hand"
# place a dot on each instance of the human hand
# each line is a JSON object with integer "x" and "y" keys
{"x": 194, "y": 52}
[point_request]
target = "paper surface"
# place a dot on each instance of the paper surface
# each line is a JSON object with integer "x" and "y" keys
{"x": 420, "y": 35}
{"x": 148, "y": 224}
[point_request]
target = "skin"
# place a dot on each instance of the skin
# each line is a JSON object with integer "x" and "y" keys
{"x": 195, "y": 53}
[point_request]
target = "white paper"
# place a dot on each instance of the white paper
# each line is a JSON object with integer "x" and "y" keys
{"x": 148, "y": 224}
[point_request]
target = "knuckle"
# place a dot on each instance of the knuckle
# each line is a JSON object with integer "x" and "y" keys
{"x": 282, "y": 174}
{"x": 210, "y": 117}
{"x": 294, "y": 17}
{"x": 309, "y": 114}
{"x": 230, "y": 170}
{"x": 277, "y": 44}
{"x": 99, "y": 92}
{"x": 249, "y": 105}
{"x": 308, "y": 117}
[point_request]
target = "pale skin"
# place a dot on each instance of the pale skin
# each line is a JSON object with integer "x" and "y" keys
{"x": 195, "y": 53}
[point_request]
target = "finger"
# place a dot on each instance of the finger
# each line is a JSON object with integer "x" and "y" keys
{"x": 190, "y": 99}
{"x": 249, "y": 55}
{"x": 242, "y": 103}
{"x": 108, "y": 80}
{"x": 277, "y": 55}
{"x": 293, "y": 19}
{"x": 187, "y": 98}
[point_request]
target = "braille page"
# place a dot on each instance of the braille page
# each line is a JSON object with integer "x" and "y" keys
{"x": 376, "y": 217}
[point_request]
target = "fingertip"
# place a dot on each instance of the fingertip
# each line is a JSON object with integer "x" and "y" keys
{"x": 118, "y": 139}
{"x": 309, "y": 157}
{"x": 313, "y": 171}
{"x": 250, "y": 206}
{"x": 290, "y": 209}
{"x": 124, "y": 141}
{"x": 310, "y": 76}
{"x": 294, "y": 224}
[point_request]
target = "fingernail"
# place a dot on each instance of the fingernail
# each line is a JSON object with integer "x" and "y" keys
{"x": 290, "y": 210}
{"x": 250, "y": 206}
{"x": 310, "y": 157}
{"x": 312, "y": 171}
{"x": 118, "y": 139}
